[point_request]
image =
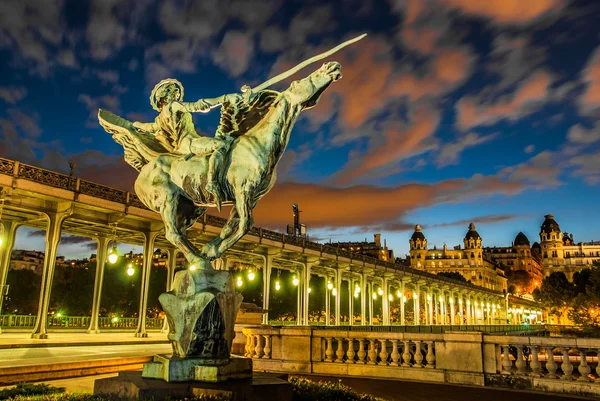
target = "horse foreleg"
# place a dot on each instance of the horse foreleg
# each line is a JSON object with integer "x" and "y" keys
{"x": 243, "y": 208}
{"x": 211, "y": 247}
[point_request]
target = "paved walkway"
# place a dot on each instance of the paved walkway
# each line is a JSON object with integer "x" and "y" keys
{"x": 390, "y": 390}
{"x": 24, "y": 340}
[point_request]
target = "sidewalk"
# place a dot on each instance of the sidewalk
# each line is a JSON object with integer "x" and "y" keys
{"x": 57, "y": 339}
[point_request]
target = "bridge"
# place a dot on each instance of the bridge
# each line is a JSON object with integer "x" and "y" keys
{"x": 64, "y": 204}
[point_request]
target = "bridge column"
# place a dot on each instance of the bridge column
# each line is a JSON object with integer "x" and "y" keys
{"x": 430, "y": 299}
{"x": 53, "y": 232}
{"x": 442, "y": 308}
{"x": 327, "y": 302}
{"x": 469, "y": 319}
{"x": 266, "y": 287}
{"x": 149, "y": 239}
{"x": 299, "y": 297}
{"x": 417, "y": 305}
{"x": 10, "y": 228}
{"x": 402, "y": 304}
{"x": 306, "y": 281}
{"x": 338, "y": 296}
{"x": 461, "y": 313}
{"x": 363, "y": 300}
{"x": 101, "y": 254}
{"x": 370, "y": 283}
{"x": 385, "y": 305}
{"x": 434, "y": 299}
{"x": 452, "y": 309}
{"x": 171, "y": 265}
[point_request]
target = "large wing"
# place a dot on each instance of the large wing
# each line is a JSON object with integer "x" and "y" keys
{"x": 140, "y": 147}
{"x": 239, "y": 118}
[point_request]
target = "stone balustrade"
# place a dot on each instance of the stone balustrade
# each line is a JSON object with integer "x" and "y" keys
{"x": 556, "y": 364}
{"x": 563, "y": 365}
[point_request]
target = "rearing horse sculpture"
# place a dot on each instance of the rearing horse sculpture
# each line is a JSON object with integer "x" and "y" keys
{"x": 175, "y": 186}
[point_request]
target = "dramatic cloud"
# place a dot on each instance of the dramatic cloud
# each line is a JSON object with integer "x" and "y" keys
{"x": 579, "y": 135}
{"x": 235, "y": 52}
{"x": 527, "y": 98}
{"x": 541, "y": 171}
{"x": 506, "y": 11}
{"x": 37, "y": 233}
{"x": 487, "y": 219}
{"x": 13, "y": 94}
{"x": 451, "y": 151}
{"x": 590, "y": 100}
{"x": 587, "y": 166}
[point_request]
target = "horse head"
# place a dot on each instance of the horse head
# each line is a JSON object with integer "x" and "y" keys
{"x": 306, "y": 92}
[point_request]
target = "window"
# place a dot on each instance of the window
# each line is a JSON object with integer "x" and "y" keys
{"x": 554, "y": 254}
{"x": 472, "y": 254}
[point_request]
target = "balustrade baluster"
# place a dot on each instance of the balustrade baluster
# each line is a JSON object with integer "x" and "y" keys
{"x": 350, "y": 354}
{"x": 551, "y": 365}
{"x": 372, "y": 353}
{"x": 340, "y": 351}
{"x": 395, "y": 354}
{"x": 584, "y": 368}
{"x": 250, "y": 350}
{"x": 520, "y": 362}
{"x": 418, "y": 355}
{"x": 329, "y": 350}
{"x": 506, "y": 363}
{"x": 536, "y": 366}
{"x": 406, "y": 357}
{"x": 430, "y": 358}
{"x": 566, "y": 366}
{"x": 267, "y": 348}
{"x": 383, "y": 354}
{"x": 259, "y": 348}
{"x": 361, "y": 351}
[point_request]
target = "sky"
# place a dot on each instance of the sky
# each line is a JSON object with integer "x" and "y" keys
{"x": 449, "y": 112}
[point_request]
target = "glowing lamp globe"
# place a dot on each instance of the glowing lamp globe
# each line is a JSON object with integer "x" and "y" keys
{"x": 356, "y": 295}
{"x": 380, "y": 291}
{"x": 239, "y": 282}
{"x": 250, "y": 275}
{"x": 113, "y": 256}
{"x": 391, "y": 297}
{"x": 374, "y": 296}
{"x": 130, "y": 270}
{"x": 277, "y": 285}
{"x": 295, "y": 281}
{"x": 193, "y": 267}
{"x": 398, "y": 294}
{"x": 309, "y": 290}
{"x": 334, "y": 292}
{"x": 329, "y": 285}
{"x": 357, "y": 289}
{"x": 115, "y": 319}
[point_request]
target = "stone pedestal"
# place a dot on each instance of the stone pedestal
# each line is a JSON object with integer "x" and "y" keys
{"x": 132, "y": 386}
{"x": 173, "y": 369}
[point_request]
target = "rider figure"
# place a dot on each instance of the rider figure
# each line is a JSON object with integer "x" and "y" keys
{"x": 175, "y": 130}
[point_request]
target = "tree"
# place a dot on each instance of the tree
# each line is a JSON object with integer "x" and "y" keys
{"x": 520, "y": 279}
{"x": 453, "y": 275}
{"x": 556, "y": 293}
{"x": 586, "y": 306}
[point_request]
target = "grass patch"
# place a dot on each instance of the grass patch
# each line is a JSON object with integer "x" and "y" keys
{"x": 308, "y": 390}
{"x": 29, "y": 390}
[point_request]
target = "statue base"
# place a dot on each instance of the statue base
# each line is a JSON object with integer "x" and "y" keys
{"x": 132, "y": 386}
{"x": 173, "y": 369}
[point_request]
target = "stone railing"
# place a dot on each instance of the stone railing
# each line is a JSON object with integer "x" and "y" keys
{"x": 555, "y": 364}
{"x": 468, "y": 357}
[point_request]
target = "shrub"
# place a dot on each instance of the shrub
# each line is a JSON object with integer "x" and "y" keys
{"x": 307, "y": 390}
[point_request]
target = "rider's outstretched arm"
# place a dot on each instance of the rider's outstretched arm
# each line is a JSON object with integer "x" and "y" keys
{"x": 205, "y": 105}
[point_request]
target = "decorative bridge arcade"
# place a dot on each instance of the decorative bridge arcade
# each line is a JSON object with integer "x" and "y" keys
{"x": 63, "y": 204}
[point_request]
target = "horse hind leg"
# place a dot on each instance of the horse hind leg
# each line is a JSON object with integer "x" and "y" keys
{"x": 244, "y": 212}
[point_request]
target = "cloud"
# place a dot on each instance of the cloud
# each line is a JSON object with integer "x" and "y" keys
{"x": 394, "y": 146}
{"x": 75, "y": 239}
{"x": 513, "y": 12}
{"x": 487, "y": 219}
{"x": 587, "y": 166}
{"x": 529, "y": 149}
{"x": 541, "y": 171}
{"x": 451, "y": 151}
{"x": 36, "y": 233}
{"x": 108, "y": 102}
{"x": 579, "y": 135}
{"x": 527, "y": 98}
{"x": 235, "y": 52}
{"x": 13, "y": 94}
{"x": 590, "y": 99}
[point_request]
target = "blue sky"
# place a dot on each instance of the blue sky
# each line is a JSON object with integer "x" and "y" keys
{"x": 450, "y": 111}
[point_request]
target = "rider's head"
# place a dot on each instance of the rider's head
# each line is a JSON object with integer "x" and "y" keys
{"x": 167, "y": 93}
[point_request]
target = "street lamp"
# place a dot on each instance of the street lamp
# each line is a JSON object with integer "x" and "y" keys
{"x": 329, "y": 286}
{"x": 239, "y": 281}
{"x": 295, "y": 281}
{"x": 334, "y": 292}
{"x": 130, "y": 270}
{"x": 380, "y": 291}
{"x": 250, "y": 275}
{"x": 277, "y": 285}
{"x": 113, "y": 256}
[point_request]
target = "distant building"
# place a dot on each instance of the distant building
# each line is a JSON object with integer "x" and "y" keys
{"x": 518, "y": 256}
{"x": 468, "y": 261}
{"x": 560, "y": 252}
{"x": 21, "y": 259}
{"x": 373, "y": 249}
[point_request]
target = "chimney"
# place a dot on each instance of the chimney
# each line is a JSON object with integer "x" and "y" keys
{"x": 378, "y": 240}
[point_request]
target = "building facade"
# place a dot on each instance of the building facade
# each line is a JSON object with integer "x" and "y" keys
{"x": 373, "y": 249}
{"x": 469, "y": 260}
{"x": 560, "y": 252}
{"x": 518, "y": 257}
